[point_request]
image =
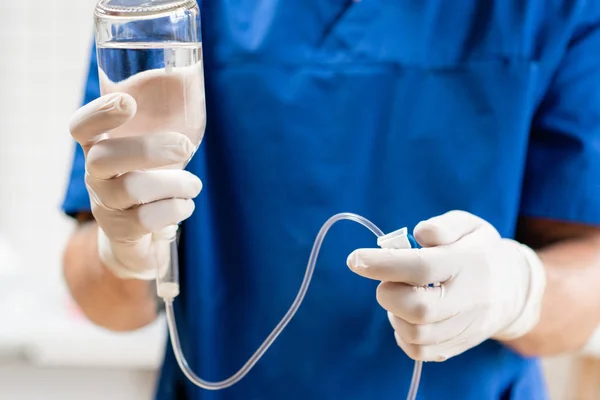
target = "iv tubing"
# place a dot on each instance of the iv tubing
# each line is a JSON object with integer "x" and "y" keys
{"x": 310, "y": 268}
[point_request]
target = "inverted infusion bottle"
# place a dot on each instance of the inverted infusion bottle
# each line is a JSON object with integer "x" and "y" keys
{"x": 152, "y": 50}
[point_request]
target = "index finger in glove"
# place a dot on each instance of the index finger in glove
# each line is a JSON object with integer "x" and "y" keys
{"x": 418, "y": 267}
{"x": 102, "y": 115}
{"x": 112, "y": 157}
{"x": 451, "y": 227}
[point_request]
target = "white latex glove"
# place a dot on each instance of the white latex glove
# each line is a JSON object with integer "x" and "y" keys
{"x": 490, "y": 287}
{"x": 136, "y": 203}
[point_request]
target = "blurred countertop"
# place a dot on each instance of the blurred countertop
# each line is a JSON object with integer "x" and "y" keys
{"x": 47, "y": 338}
{"x": 39, "y": 324}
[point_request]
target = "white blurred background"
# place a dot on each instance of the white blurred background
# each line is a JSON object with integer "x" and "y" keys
{"x": 47, "y": 350}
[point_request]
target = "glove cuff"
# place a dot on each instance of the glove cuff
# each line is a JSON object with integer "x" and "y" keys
{"x": 530, "y": 314}
{"x": 108, "y": 258}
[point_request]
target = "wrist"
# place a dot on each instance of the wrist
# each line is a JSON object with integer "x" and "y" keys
{"x": 529, "y": 314}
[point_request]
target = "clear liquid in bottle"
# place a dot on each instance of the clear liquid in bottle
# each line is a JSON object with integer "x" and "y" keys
{"x": 167, "y": 82}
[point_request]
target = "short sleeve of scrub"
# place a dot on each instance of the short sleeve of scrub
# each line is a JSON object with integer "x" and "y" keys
{"x": 562, "y": 179}
{"x": 77, "y": 199}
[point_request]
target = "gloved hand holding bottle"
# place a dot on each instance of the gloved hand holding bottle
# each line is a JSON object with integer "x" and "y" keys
{"x": 490, "y": 287}
{"x": 136, "y": 197}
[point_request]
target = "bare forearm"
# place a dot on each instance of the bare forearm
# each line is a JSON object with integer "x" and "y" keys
{"x": 570, "y": 311}
{"x": 113, "y": 303}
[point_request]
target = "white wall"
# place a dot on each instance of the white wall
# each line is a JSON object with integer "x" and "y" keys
{"x": 44, "y": 47}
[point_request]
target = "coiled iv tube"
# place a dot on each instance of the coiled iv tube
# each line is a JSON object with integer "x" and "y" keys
{"x": 169, "y": 295}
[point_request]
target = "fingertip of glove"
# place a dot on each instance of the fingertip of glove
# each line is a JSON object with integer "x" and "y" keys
{"x": 125, "y": 103}
{"x": 101, "y": 115}
{"x": 429, "y": 234}
{"x": 155, "y": 216}
{"x": 354, "y": 261}
{"x": 197, "y": 185}
{"x": 188, "y": 208}
{"x": 119, "y": 103}
{"x": 180, "y": 144}
{"x": 184, "y": 208}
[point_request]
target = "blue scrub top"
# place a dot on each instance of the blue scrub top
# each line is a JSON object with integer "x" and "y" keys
{"x": 396, "y": 110}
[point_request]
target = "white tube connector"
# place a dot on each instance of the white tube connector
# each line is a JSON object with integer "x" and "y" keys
{"x": 395, "y": 240}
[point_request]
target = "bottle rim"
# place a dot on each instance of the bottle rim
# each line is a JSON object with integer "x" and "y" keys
{"x": 104, "y": 8}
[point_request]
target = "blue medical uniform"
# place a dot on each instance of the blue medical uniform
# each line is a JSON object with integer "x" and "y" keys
{"x": 396, "y": 110}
